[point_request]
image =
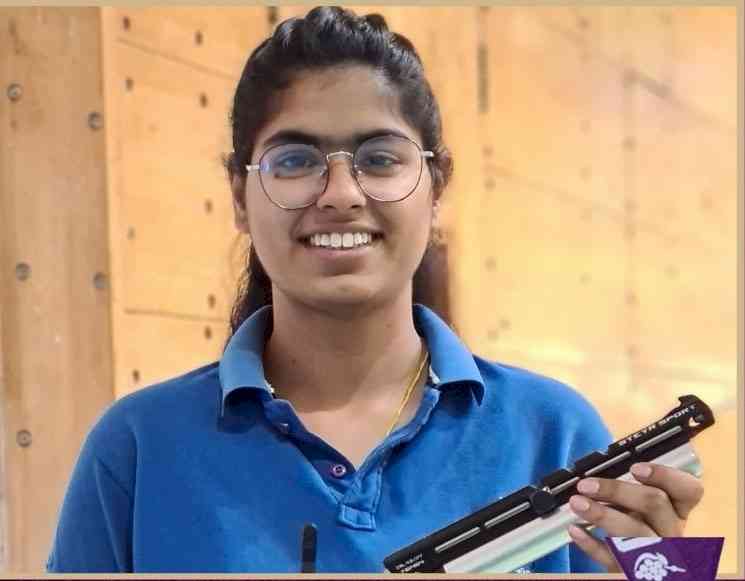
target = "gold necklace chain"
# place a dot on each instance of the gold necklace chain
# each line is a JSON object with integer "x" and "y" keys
{"x": 409, "y": 391}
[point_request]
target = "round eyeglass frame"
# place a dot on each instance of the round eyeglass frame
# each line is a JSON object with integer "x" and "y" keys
{"x": 424, "y": 154}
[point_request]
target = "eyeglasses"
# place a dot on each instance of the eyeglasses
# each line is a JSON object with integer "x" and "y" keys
{"x": 386, "y": 168}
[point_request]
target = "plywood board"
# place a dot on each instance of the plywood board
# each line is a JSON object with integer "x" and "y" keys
{"x": 687, "y": 307}
{"x": 214, "y": 39}
{"x": 154, "y": 348}
{"x": 555, "y": 276}
{"x": 554, "y": 109}
{"x": 176, "y": 230}
{"x": 56, "y": 319}
{"x": 682, "y": 174}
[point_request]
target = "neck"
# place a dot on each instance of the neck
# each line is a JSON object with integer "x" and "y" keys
{"x": 321, "y": 361}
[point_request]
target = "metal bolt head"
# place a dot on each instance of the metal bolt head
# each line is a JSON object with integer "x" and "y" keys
{"x": 23, "y": 438}
{"x": 95, "y": 120}
{"x": 100, "y": 281}
{"x": 15, "y": 92}
{"x": 23, "y": 271}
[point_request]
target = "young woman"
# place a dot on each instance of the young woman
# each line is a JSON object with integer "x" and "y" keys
{"x": 338, "y": 400}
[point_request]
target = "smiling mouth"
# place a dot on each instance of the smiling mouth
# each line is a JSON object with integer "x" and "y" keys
{"x": 340, "y": 242}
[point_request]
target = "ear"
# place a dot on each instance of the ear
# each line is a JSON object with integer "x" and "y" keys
{"x": 240, "y": 213}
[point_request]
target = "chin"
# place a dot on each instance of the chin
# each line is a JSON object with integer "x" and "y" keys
{"x": 347, "y": 300}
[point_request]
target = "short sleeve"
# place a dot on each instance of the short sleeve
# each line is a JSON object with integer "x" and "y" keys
{"x": 94, "y": 529}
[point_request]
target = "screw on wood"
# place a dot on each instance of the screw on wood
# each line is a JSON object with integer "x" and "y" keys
{"x": 23, "y": 271}
{"x": 203, "y": 101}
{"x": 131, "y": 233}
{"x": 23, "y": 438}
{"x": 15, "y": 92}
{"x": 129, "y": 84}
{"x": 208, "y": 206}
{"x": 208, "y": 333}
{"x": 211, "y": 301}
{"x": 198, "y": 37}
{"x": 272, "y": 15}
{"x": 126, "y": 23}
{"x": 100, "y": 281}
{"x": 95, "y": 120}
{"x": 135, "y": 375}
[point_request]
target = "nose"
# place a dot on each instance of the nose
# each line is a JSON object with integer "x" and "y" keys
{"x": 342, "y": 190}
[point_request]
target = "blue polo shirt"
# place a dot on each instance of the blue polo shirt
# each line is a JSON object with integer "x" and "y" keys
{"x": 208, "y": 472}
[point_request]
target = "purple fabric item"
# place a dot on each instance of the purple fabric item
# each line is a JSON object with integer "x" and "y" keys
{"x": 667, "y": 558}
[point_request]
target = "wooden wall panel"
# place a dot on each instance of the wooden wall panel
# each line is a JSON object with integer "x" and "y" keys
{"x": 190, "y": 343}
{"x": 548, "y": 254}
{"x": 661, "y": 190}
{"x": 55, "y": 270}
{"x": 170, "y": 78}
{"x": 217, "y": 41}
{"x": 3, "y": 436}
{"x": 170, "y": 184}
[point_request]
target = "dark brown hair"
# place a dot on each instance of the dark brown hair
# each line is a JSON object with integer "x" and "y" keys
{"x": 330, "y": 37}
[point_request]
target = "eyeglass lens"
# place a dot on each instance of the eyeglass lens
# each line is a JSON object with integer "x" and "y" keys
{"x": 387, "y": 168}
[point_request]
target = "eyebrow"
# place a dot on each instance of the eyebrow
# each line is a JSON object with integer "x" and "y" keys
{"x": 296, "y": 136}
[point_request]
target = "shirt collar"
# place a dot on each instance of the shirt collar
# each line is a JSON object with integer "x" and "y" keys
{"x": 451, "y": 363}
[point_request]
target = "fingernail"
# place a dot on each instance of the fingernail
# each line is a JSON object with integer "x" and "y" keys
{"x": 576, "y": 533}
{"x": 641, "y": 470}
{"x": 579, "y": 503}
{"x": 588, "y": 486}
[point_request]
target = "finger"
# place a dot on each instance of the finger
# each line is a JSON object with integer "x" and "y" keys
{"x": 684, "y": 490}
{"x": 652, "y": 503}
{"x": 615, "y": 522}
{"x": 594, "y": 548}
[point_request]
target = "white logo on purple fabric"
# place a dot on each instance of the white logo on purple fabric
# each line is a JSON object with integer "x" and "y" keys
{"x": 654, "y": 567}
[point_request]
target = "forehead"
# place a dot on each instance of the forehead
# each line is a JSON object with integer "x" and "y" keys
{"x": 336, "y": 104}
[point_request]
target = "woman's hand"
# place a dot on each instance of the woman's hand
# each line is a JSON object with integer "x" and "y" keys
{"x": 659, "y": 507}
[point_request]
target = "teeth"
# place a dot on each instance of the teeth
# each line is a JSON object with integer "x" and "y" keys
{"x": 341, "y": 240}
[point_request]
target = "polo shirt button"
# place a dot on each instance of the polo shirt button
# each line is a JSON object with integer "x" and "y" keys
{"x": 338, "y": 470}
{"x": 284, "y": 428}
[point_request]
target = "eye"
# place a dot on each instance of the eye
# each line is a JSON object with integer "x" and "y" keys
{"x": 378, "y": 161}
{"x": 293, "y": 162}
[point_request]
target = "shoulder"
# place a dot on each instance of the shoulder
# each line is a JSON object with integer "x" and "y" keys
{"x": 189, "y": 399}
{"x": 544, "y": 409}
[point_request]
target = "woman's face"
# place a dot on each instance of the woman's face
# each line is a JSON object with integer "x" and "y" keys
{"x": 334, "y": 107}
